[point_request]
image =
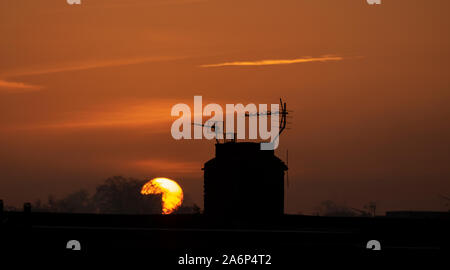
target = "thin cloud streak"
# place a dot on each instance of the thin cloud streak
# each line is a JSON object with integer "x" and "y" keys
{"x": 167, "y": 166}
{"x": 13, "y": 87}
{"x": 276, "y": 61}
{"x": 87, "y": 66}
{"x": 155, "y": 115}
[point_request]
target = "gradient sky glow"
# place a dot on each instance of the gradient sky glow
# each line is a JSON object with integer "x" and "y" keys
{"x": 86, "y": 92}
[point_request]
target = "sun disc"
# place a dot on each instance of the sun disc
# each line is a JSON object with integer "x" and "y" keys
{"x": 172, "y": 194}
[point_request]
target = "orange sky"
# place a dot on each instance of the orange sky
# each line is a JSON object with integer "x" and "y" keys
{"x": 86, "y": 93}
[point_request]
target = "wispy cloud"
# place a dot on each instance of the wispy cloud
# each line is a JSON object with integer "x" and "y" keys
{"x": 276, "y": 61}
{"x": 8, "y": 86}
{"x": 167, "y": 166}
{"x": 14, "y": 87}
{"x": 86, "y": 66}
{"x": 154, "y": 114}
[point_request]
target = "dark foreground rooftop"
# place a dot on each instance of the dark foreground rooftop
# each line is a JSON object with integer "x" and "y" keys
{"x": 174, "y": 235}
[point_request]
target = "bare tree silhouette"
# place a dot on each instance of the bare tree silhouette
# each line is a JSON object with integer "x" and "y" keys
{"x": 120, "y": 195}
{"x": 117, "y": 195}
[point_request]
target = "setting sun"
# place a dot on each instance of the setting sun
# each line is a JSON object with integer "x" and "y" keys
{"x": 172, "y": 194}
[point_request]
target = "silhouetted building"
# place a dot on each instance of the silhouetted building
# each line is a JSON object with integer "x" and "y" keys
{"x": 417, "y": 214}
{"x": 243, "y": 180}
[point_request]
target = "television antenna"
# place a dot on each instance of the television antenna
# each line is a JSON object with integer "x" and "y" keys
{"x": 283, "y": 113}
{"x": 218, "y": 126}
{"x": 214, "y": 127}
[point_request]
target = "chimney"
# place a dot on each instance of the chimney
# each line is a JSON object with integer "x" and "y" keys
{"x": 242, "y": 180}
